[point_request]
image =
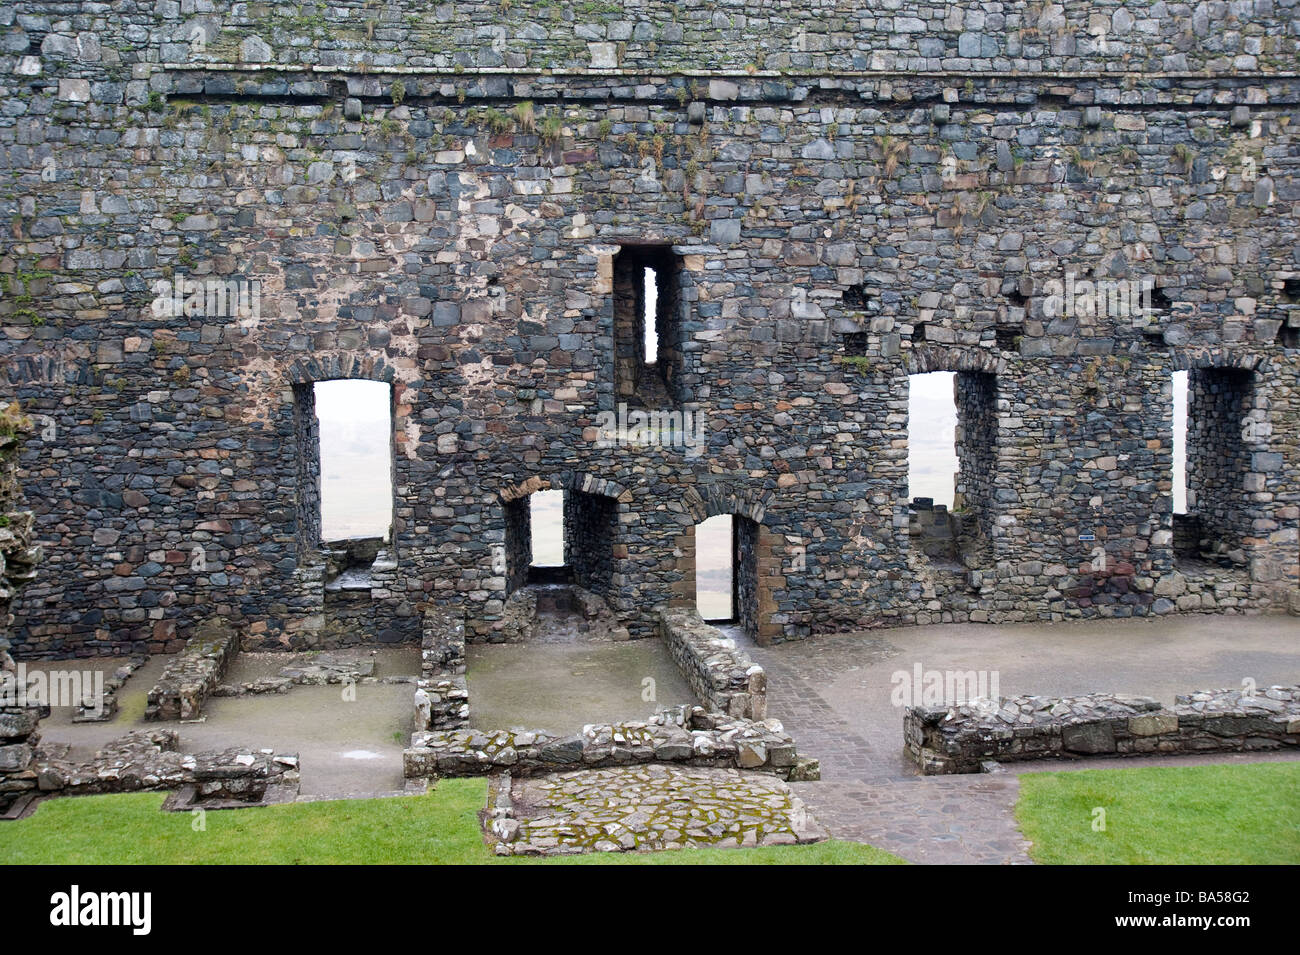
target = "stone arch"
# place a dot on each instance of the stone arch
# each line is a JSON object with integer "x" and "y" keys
{"x": 1187, "y": 359}
{"x": 580, "y": 481}
{"x": 752, "y": 548}
{"x": 592, "y": 512}
{"x": 324, "y": 367}
{"x": 924, "y": 358}
{"x": 719, "y": 497}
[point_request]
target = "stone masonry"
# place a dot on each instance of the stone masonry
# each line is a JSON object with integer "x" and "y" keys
{"x": 962, "y": 738}
{"x": 153, "y": 761}
{"x": 683, "y": 734}
{"x": 721, "y": 675}
{"x": 191, "y": 675}
{"x": 19, "y": 718}
{"x": 464, "y": 203}
{"x": 442, "y": 695}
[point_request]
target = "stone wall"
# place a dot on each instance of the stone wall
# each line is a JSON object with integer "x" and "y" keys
{"x": 436, "y": 198}
{"x": 191, "y": 675}
{"x": 19, "y": 735}
{"x": 153, "y": 761}
{"x": 660, "y": 35}
{"x": 683, "y": 734}
{"x": 1221, "y": 417}
{"x": 557, "y": 612}
{"x": 961, "y": 739}
{"x": 977, "y": 440}
{"x": 722, "y": 677}
{"x": 591, "y": 527}
{"x": 442, "y": 695}
{"x": 19, "y": 721}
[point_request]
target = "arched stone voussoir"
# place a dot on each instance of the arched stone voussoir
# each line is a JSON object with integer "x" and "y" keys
{"x": 721, "y": 497}
{"x": 1187, "y": 359}
{"x": 580, "y": 481}
{"x": 349, "y": 365}
{"x": 923, "y": 358}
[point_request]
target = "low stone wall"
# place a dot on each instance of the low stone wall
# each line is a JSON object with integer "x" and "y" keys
{"x": 961, "y": 739}
{"x": 721, "y": 675}
{"x": 442, "y": 695}
{"x": 330, "y": 668}
{"x": 678, "y": 735}
{"x": 150, "y": 761}
{"x": 192, "y": 674}
{"x": 104, "y": 708}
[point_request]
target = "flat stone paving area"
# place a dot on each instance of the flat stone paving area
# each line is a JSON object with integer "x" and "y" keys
{"x": 651, "y": 807}
{"x": 833, "y": 694}
{"x": 560, "y": 686}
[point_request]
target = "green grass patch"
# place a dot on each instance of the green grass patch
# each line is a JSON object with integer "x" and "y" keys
{"x": 1246, "y": 814}
{"x": 439, "y": 828}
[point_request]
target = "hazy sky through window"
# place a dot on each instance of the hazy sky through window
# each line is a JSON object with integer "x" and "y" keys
{"x": 648, "y": 316}
{"x": 931, "y": 437}
{"x": 356, "y": 439}
{"x": 1180, "y": 442}
{"x": 713, "y": 568}
{"x": 546, "y": 519}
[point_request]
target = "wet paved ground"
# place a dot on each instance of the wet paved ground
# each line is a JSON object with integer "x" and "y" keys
{"x": 564, "y": 684}
{"x": 835, "y": 696}
{"x": 347, "y": 746}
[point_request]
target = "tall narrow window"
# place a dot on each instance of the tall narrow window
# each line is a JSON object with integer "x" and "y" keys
{"x": 354, "y": 419}
{"x": 715, "y": 569}
{"x": 547, "y": 525}
{"x": 1180, "y": 442}
{"x": 932, "y": 437}
{"x": 648, "y": 348}
{"x": 649, "y": 315}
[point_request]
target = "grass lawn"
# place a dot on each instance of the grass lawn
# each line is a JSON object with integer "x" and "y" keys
{"x": 441, "y": 827}
{"x": 1241, "y": 814}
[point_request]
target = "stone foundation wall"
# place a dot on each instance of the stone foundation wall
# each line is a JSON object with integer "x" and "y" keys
{"x": 722, "y": 677}
{"x": 152, "y": 761}
{"x": 963, "y": 738}
{"x": 442, "y": 695}
{"x": 192, "y": 674}
{"x": 103, "y": 708}
{"x": 684, "y": 734}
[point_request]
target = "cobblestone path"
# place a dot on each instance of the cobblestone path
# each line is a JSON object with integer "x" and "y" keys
{"x": 646, "y": 807}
